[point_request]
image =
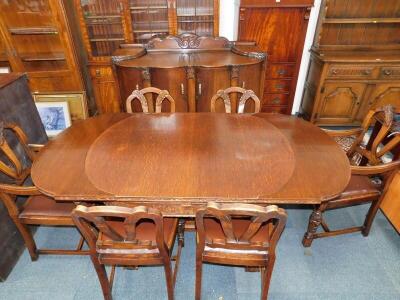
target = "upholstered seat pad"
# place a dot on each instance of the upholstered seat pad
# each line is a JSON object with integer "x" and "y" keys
{"x": 214, "y": 230}
{"x": 43, "y": 206}
{"x": 360, "y": 189}
{"x": 145, "y": 231}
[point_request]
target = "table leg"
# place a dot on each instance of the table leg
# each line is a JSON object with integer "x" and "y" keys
{"x": 313, "y": 224}
{"x": 181, "y": 232}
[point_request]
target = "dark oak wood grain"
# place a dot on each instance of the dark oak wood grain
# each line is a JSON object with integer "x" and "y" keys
{"x": 178, "y": 162}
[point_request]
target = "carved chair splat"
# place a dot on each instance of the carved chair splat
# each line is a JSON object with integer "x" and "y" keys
{"x": 238, "y": 234}
{"x": 146, "y": 100}
{"x": 128, "y": 237}
{"x": 38, "y": 209}
{"x": 245, "y": 96}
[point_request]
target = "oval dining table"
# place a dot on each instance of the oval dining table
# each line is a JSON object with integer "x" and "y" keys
{"x": 178, "y": 162}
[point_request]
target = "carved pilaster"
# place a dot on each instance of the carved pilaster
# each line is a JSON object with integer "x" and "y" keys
{"x": 234, "y": 72}
{"x": 190, "y": 72}
{"x": 146, "y": 74}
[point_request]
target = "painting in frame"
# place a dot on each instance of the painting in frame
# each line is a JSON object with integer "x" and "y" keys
{"x": 55, "y": 116}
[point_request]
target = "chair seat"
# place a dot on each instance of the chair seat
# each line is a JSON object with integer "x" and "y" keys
{"x": 145, "y": 230}
{"x": 214, "y": 230}
{"x": 359, "y": 190}
{"x": 42, "y": 210}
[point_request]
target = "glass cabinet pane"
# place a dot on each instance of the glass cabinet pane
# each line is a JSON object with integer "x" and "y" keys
{"x": 149, "y": 19}
{"x": 103, "y": 19}
{"x": 196, "y": 16}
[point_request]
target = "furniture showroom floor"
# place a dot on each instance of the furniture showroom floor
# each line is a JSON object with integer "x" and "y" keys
{"x": 343, "y": 267}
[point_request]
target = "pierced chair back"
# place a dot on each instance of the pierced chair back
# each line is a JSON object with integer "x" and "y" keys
{"x": 145, "y": 96}
{"x": 259, "y": 216}
{"x": 98, "y": 221}
{"x": 245, "y": 96}
{"x": 383, "y": 140}
{"x": 11, "y": 163}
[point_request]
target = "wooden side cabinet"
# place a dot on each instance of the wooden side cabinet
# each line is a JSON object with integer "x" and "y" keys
{"x": 278, "y": 28}
{"x": 342, "y": 86}
{"x": 391, "y": 202}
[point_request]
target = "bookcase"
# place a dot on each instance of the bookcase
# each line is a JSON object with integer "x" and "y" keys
{"x": 106, "y": 24}
{"x": 355, "y": 61}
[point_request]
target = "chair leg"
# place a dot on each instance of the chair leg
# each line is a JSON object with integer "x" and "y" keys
{"x": 28, "y": 239}
{"x": 370, "y": 217}
{"x": 102, "y": 275}
{"x": 313, "y": 224}
{"x": 199, "y": 271}
{"x": 266, "y": 277}
{"x": 169, "y": 279}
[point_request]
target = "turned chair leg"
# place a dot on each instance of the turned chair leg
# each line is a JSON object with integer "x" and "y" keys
{"x": 102, "y": 275}
{"x": 370, "y": 217}
{"x": 28, "y": 239}
{"x": 199, "y": 271}
{"x": 266, "y": 274}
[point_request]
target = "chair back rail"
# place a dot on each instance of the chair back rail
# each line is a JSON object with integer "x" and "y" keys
{"x": 144, "y": 101}
{"x": 259, "y": 216}
{"x": 245, "y": 96}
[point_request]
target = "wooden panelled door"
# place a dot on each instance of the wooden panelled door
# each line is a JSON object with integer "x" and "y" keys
{"x": 279, "y": 30}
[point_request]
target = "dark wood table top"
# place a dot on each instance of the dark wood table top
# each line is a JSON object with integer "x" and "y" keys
{"x": 190, "y": 158}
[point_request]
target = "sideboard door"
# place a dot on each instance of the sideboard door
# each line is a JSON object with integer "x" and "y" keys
{"x": 340, "y": 102}
{"x": 385, "y": 93}
{"x": 246, "y": 80}
{"x": 208, "y": 82}
{"x": 175, "y": 82}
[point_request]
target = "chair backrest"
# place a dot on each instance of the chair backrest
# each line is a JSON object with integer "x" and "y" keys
{"x": 384, "y": 139}
{"x": 10, "y": 161}
{"x": 245, "y": 95}
{"x": 271, "y": 216}
{"x": 96, "y": 220}
{"x": 146, "y": 101}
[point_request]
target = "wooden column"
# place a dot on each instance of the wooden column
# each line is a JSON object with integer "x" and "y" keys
{"x": 191, "y": 79}
{"x": 234, "y": 82}
{"x": 147, "y": 83}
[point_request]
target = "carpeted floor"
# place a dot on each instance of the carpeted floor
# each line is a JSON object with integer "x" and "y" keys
{"x": 343, "y": 267}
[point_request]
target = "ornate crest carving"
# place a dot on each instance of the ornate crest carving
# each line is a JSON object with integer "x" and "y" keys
{"x": 190, "y": 72}
{"x": 187, "y": 41}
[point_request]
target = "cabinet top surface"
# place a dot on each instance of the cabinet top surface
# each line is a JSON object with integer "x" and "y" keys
{"x": 358, "y": 56}
{"x": 196, "y": 59}
{"x": 6, "y": 79}
{"x": 274, "y": 3}
{"x": 193, "y": 156}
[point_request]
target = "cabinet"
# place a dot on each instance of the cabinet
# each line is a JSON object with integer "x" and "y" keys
{"x": 355, "y": 62}
{"x": 37, "y": 40}
{"x": 278, "y": 28}
{"x": 106, "y": 24}
{"x": 191, "y": 68}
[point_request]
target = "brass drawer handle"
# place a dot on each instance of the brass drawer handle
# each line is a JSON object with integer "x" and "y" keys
{"x": 200, "y": 89}
{"x": 282, "y": 72}
{"x": 279, "y": 86}
{"x": 276, "y": 100}
{"x": 182, "y": 89}
{"x": 98, "y": 73}
{"x": 387, "y": 72}
{"x": 367, "y": 72}
{"x": 334, "y": 72}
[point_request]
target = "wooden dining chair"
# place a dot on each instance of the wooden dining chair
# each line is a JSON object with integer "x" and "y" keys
{"x": 245, "y": 96}
{"x": 129, "y": 237}
{"x": 239, "y": 235}
{"x": 145, "y": 97}
{"x": 37, "y": 209}
{"x": 370, "y": 177}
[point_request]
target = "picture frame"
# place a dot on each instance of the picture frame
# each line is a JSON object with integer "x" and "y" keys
{"x": 55, "y": 116}
{"x": 5, "y": 70}
{"x": 77, "y": 103}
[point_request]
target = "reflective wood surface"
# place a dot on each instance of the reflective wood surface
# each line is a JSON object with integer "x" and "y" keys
{"x": 178, "y": 162}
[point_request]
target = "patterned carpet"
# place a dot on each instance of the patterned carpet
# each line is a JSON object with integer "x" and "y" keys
{"x": 344, "y": 267}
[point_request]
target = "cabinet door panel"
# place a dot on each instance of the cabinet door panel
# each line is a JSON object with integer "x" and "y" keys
{"x": 246, "y": 81}
{"x": 209, "y": 81}
{"x": 129, "y": 79}
{"x": 175, "y": 82}
{"x": 105, "y": 92}
{"x": 384, "y": 94}
{"x": 340, "y": 102}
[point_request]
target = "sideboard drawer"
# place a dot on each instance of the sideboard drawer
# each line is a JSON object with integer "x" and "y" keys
{"x": 277, "y": 86}
{"x": 280, "y": 71}
{"x": 340, "y": 71}
{"x": 274, "y": 109}
{"x": 276, "y": 99}
{"x": 390, "y": 73}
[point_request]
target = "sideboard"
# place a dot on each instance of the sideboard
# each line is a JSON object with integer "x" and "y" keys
{"x": 191, "y": 68}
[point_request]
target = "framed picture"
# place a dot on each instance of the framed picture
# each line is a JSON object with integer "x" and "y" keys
{"x": 55, "y": 116}
{"x": 5, "y": 70}
{"x": 76, "y": 102}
